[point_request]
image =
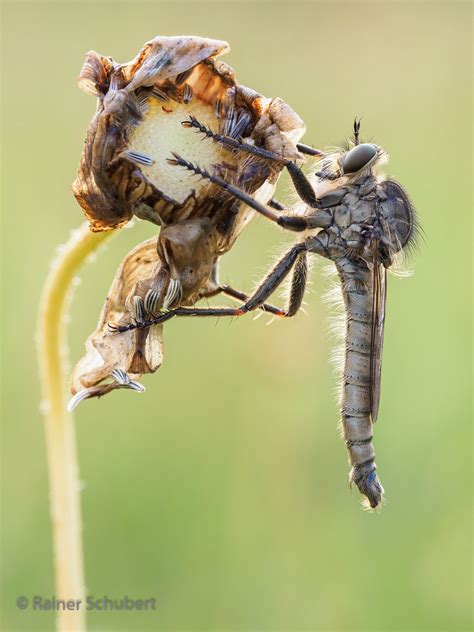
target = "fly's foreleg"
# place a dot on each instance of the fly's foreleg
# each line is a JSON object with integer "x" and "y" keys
{"x": 300, "y": 181}
{"x": 321, "y": 219}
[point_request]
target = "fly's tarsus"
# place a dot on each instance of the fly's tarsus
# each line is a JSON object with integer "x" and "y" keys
{"x": 233, "y": 143}
{"x": 179, "y": 161}
{"x": 141, "y": 324}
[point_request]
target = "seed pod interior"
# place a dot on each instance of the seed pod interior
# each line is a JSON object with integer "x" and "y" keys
{"x": 160, "y": 132}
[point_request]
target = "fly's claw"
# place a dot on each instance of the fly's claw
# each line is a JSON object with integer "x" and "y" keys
{"x": 133, "y": 324}
{"x": 192, "y": 122}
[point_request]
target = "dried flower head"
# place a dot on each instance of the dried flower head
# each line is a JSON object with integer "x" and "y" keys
{"x": 141, "y": 105}
{"x": 143, "y": 118}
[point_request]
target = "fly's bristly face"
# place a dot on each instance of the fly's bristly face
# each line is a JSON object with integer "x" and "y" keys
{"x": 348, "y": 165}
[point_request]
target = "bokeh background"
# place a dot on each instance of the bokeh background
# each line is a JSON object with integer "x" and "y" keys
{"x": 222, "y": 492}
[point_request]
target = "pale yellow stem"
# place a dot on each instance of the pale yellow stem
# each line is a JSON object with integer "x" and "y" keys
{"x": 59, "y": 424}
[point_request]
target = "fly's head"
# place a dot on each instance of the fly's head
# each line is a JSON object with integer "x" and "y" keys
{"x": 352, "y": 163}
{"x": 342, "y": 167}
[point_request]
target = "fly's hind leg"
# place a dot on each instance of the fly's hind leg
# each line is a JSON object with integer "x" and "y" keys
{"x": 298, "y": 280}
{"x": 295, "y": 259}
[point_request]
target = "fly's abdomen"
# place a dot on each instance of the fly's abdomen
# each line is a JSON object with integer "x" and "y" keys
{"x": 357, "y": 426}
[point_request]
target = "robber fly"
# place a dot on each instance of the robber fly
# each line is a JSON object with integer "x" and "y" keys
{"x": 359, "y": 220}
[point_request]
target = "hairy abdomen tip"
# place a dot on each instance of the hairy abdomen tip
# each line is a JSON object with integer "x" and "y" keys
{"x": 366, "y": 479}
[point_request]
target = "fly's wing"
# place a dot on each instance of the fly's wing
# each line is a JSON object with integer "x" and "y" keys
{"x": 379, "y": 287}
{"x": 398, "y": 220}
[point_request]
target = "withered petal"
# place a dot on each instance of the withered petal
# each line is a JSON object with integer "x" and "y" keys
{"x": 109, "y": 354}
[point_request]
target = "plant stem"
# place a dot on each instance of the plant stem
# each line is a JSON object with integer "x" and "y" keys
{"x": 59, "y": 424}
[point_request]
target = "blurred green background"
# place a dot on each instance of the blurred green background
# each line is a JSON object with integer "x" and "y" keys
{"x": 223, "y": 490}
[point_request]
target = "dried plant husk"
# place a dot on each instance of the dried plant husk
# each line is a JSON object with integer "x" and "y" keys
{"x": 139, "y": 110}
{"x": 183, "y": 257}
{"x": 140, "y": 107}
{"x": 129, "y": 352}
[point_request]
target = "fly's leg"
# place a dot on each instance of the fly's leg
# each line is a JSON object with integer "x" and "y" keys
{"x": 309, "y": 151}
{"x": 294, "y": 259}
{"x": 146, "y": 316}
{"x": 266, "y": 288}
{"x": 276, "y": 205}
{"x": 298, "y": 284}
{"x": 241, "y": 296}
{"x": 321, "y": 219}
{"x": 302, "y": 185}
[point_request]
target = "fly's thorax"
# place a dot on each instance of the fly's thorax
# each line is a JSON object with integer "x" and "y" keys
{"x": 357, "y": 206}
{"x": 353, "y": 208}
{"x": 370, "y": 208}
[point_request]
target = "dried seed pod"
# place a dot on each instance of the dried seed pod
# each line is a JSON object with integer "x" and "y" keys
{"x": 125, "y": 171}
{"x": 132, "y": 354}
{"x": 141, "y": 105}
{"x": 173, "y": 269}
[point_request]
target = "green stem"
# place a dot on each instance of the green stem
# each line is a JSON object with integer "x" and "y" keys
{"x": 59, "y": 424}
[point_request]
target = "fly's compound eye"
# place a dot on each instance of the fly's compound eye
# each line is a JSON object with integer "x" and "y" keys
{"x": 358, "y": 158}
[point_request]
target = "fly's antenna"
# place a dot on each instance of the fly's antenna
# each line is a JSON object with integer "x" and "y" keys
{"x": 356, "y": 130}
